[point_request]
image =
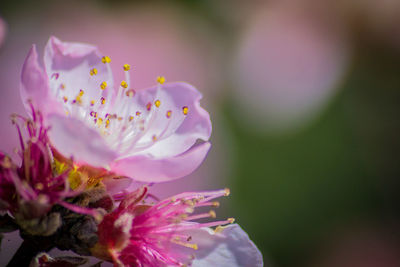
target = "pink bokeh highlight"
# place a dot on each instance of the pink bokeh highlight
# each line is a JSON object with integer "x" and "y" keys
{"x": 3, "y": 31}
{"x": 288, "y": 66}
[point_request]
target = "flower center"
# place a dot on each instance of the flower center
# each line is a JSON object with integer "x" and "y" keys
{"x": 120, "y": 115}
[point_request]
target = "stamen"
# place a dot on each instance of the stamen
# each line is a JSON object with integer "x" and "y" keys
{"x": 157, "y": 103}
{"x": 103, "y": 85}
{"x": 185, "y": 244}
{"x": 185, "y": 110}
{"x": 212, "y": 204}
{"x": 161, "y": 79}
{"x": 130, "y": 118}
{"x": 210, "y": 214}
{"x": 227, "y": 192}
{"x": 39, "y": 186}
{"x": 93, "y": 72}
{"x": 102, "y": 100}
{"x": 92, "y": 102}
{"x": 81, "y": 92}
{"x": 169, "y": 113}
{"x": 124, "y": 84}
{"x": 77, "y": 100}
{"x": 148, "y": 106}
{"x": 105, "y": 59}
{"x": 219, "y": 229}
{"x": 138, "y": 113}
{"x": 65, "y": 99}
{"x": 127, "y": 67}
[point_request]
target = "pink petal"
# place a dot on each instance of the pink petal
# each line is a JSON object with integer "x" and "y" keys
{"x": 147, "y": 169}
{"x": 68, "y": 67}
{"x": 178, "y": 133}
{"x": 230, "y": 248}
{"x": 34, "y": 84}
{"x": 116, "y": 184}
{"x": 72, "y": 138}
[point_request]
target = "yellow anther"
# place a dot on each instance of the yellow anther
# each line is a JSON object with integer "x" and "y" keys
{"x": 65, "y": 99}
{"x": 185, "y": 244}
{"x": 105, "y": 59}
{"x": 138, "y": 113}
{"x": 130, "y": 118}
{"x": 212, "y": 214}
{"x": 185, "y": 110}
{"x": 100, "y": 121}
{"x": 124, "y": 84}
{"x": 81, "y": 92}
{"x": 107, "y": 122}
{"x": 227, "y": 192}
{"x": 169, "y": 113}
{"x": 66, "y": 112}
{"x": 62, "y": 86}
{"x": 157, "y": 103}
{"x": 231, "y": 220}
{"x": 161, "y": 79}
{"x": 39, "y": 186}
{"x": 148, "y": 106}
{"x": 215, "y": 204}
{"x": 127, "y": 67}
{"x": 78, "y": 99}
{"x": 103, "y": 85}
{"x": 154, "y": 138}
{"x": 219, "y": 229}
{"x": 92, "y": 102}
{"x": 93, "y": 71}
{"x": 102, "y": 100}
{"x": 120, "y": 118}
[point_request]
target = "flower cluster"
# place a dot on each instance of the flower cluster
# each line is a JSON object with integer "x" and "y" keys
{"x": 158, "y": 234}
{"x": 86, "y": 140}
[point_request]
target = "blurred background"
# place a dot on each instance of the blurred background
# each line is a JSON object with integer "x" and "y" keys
{"x": 304, "y": 97}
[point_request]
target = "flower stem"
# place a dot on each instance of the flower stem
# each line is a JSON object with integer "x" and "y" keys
{"x": 27, "y": 251}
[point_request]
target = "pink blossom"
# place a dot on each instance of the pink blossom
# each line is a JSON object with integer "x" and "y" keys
{"x": 141, "y": 234}
{"x": 148, "y": 135}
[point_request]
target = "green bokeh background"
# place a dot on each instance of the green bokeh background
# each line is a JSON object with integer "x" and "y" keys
{"x": 295, "y": 189}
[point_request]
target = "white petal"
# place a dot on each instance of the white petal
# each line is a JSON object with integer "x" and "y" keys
{"x": 230, "y": 248}
{"x": 73, "y": 138}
